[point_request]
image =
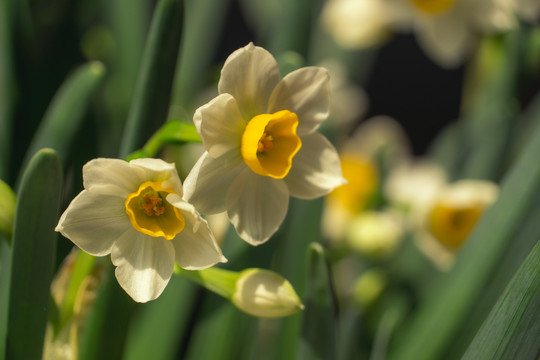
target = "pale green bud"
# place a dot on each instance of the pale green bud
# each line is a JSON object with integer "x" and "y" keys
{"x": 369, "y": 286}
{"x": 264, "y": 293}
{"x": 7, "y": 209}
{"x": 375, "y": 234}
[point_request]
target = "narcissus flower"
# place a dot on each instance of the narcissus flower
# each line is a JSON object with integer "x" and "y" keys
{"x": 447, "y": 30}
{"x": 457, "y": 209}
{"x": 261, "y": 144}
{"x": 135, "y": 212}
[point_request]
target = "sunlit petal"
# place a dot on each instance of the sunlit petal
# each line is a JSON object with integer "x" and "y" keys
{"x": 208, "y": 181}
{"x": 316, "y": 169}
{"x": 197, "y": 250}
{"x": 144, "y": 264}
{"x": 249, "y": 75}
{"x": 306, "y": 93}
{"x": 94, "y": 221}
{"x": 256, "y": 206}
{"x": 220, "y": 125}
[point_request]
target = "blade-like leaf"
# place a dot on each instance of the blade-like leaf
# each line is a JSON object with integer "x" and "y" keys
{"x": 158, "y": 329}
{"x": 203, "y": 22}
{"x": 66, "y": 111}
{"x": 150, "y": 101}
{"x": 319, "y": 318}
{"x": 512, "y": 329}
{"x": 6, "y": 89}
{"x": 107, "y": 324}
{"x": 5, "y": 270}
{"x": 453, "y": 294}
{"x": 32, "y": 263}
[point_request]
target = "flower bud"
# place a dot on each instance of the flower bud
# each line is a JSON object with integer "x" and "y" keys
{"x": 369, "y": 286}
{"x": 264, "y": 293}
{"x": 375, "y": 234}
{"x": 7, "y": 209}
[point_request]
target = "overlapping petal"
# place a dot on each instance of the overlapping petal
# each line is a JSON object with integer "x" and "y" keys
{"x": 144, "y": 264}
{"x": 306, "y": 93}
{"x": 209, "y": 179}
{"x": 94, "y": 221}
{"x": 113, "y": 177}
{"x": 316, "y": 168}
{"x": 197, "y": 250}
{"x": 256, "y": 206}
{"x": 156, "y": 170}
{"x": 249, "y": 75}
{"x": 222, "y": 127}
{"x": 187, "y": 210}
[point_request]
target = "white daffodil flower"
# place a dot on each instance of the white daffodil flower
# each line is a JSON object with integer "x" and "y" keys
{"x": 446, "y": 30}
{"x": 135, "y": 212}
{"x": 261, "y": 144}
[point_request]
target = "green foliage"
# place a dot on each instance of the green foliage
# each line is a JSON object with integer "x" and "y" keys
{"x": 33, "y": 253}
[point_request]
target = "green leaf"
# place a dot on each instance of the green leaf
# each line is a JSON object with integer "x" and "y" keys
{"x": 296, "y": 19}
{"x": 6, "y": 89}
{"x": 523, "y": 240}
{"x": 512, "y": 329}
{"x": 230, "y": 330}
{"x": 32, "y": 263}
{"x": 158, "y": 329}
{"x": 319, "y": 318}
{"x": 452, "y": 295}
{"x": 5, "y": 271}
{"x": 108, "y": 322}
{"x": 215, "y": 315}
{"x": 150, "y": 102}
{"x": 66, "y": 111}
{"x": 491, "y": 108}
{"x": 204, "y": 20}
{"x": 302, "y": 227}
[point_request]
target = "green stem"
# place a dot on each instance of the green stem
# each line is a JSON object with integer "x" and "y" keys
{"x": 172, "y": 132}
{"x": 219, "y": 281}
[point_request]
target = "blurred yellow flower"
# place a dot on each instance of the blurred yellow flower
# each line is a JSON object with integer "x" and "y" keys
{"x": 134, "y": 211}
{"x": 412, "y": 186}
{"x": 378, "y": 139}
{"x": 457, "y": 208}
{"x": 261, "y": 144}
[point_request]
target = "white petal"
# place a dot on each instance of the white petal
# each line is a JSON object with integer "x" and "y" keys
{"x": 144, "y": 264}
{"x": 111, "y": 177}
{"x": 446, "y": 39}
{"x": 316, "y": 169}
{"x": 197, "y": 250}
{"x": 187, "y": 209}
{"x": 208, "y": 181}
{"x": 159, "y": 170}
{"x": 306, "y": 93}
{"x": 256, "y": 206}
{"x": 249, "y": 75}
{"x": 220, "y": 125}
{"x": 94, "y": 221}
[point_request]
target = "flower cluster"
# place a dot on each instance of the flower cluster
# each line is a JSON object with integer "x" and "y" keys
{"x": 447, "y": 30}
{"x": 261, "y": 147}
